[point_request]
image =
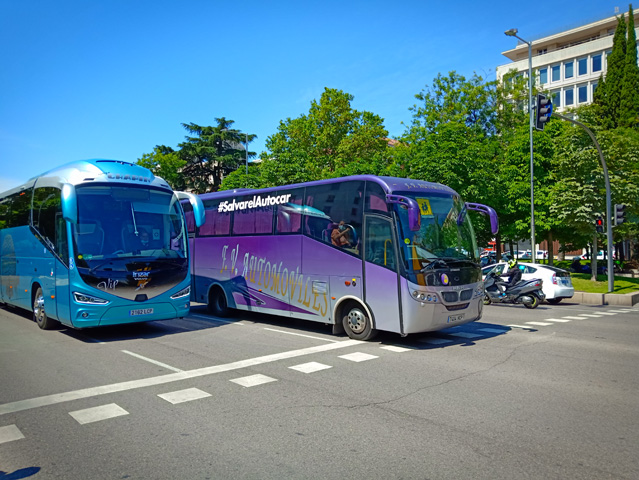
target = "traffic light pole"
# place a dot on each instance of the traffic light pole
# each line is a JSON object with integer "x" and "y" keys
{"x": 611, "y": 273}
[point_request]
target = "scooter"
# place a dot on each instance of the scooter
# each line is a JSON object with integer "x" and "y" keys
{"x": 527, "y": 292}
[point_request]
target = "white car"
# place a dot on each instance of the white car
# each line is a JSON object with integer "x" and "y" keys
{"x": 557, "y": 283}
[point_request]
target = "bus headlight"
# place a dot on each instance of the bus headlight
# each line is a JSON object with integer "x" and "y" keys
{"x": 89, "y": 299}
{"x": 185, "y": 292}
{"x": 424, "y": 297}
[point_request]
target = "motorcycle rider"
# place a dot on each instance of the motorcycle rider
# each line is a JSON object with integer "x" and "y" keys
{"x": 513, "y": 274}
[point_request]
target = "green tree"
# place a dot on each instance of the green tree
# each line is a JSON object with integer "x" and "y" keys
{"x": 166, "y": 163}
{"x": 331, "y": 140}
{"x": 210, "y": 153}
{"x": 629, "y": 104}
{"x": 608, "y": 92}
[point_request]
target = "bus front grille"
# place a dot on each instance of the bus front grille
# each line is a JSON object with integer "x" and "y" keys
{"x": 450, "y": 296}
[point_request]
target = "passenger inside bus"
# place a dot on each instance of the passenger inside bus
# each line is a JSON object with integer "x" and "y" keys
{"x": 340, "y": 236}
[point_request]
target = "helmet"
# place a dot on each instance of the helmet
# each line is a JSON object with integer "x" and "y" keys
{"x": 512, "y": 262}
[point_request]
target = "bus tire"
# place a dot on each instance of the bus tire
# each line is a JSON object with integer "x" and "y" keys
{"x": 39, "y": 313}
{"x": 357, "y": 324}
{"x": 218, "y": 305}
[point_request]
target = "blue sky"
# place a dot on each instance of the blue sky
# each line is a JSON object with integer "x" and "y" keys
{"x": 112, "y": 79}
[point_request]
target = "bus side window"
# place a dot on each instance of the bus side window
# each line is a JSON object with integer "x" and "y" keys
{"x": 47, "y": 207}
{"x": 288, "y": 215}
{"x": 379, "y": 243}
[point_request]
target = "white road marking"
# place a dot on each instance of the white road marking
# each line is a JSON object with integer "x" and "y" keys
{"x": 465, "y": 335}
{"x": 492, "y": 330}
{"x": 541, "y": 324}
{"x": 358, "y": 357}
{"x": 150, "y": 360}
{"x": 435, "y": 341}
{"x": 10, "y": 433}
{"x": 589, "y": 315}
{"x": 310, "y": 367}
{"x": 167, "y": 378}
{"x": 185, "y": 395}
{"x": 559, "y": 320}
{"x": 302, "y": 335}
{"x": 521, "y": 326}
{"x": 610, "y": 312}
{"x": 96, "y": 414}
{"x": 211, "y": 319}
{"x": 395, "y": 348}
{"x": 253, "y": 380}
{"x": 574, "y": 318}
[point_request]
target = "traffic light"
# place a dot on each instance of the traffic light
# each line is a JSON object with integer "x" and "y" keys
{"x": 599, "y": 225}
{"x": 544, "y": 111}
{"x": 620, "y": 213}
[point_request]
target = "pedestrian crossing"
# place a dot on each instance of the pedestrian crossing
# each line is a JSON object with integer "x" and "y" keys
{"x": 468, "y": 332}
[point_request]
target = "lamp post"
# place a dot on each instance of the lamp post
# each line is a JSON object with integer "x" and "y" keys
{"x": 513, "y": 33}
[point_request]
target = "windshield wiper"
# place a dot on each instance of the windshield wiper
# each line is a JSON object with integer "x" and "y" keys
{"x": 443, "y": 262}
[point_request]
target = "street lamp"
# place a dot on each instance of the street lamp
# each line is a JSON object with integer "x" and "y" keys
{"x": 513, "y": 33}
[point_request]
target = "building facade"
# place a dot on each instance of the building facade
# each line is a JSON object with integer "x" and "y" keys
{"x": 569, "y": 63}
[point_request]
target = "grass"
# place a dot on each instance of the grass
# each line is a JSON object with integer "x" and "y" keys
{"x": 582, "y": 283}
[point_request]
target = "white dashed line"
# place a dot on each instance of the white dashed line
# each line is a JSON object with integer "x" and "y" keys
{"x": 492, "y": 330}
{"x": 56, "y": 398}
{"x": 521, "y": 326}
{"x": 559, "y": 320}
{"x": 97, "y": 414}
{"x": 253, "y": 380}
{"x": 150, "y": 360}
{"x": 10, "y": 433}
{"x": 540, "y": 324}
{"x": 303, "y": 335}
{"x": 396, "y": 349}
{"x": 611, "y": 312}
{"x": 435, "y": 341}
{"x": 358, "y": 357}
{"x": 465, "y": 335}
{"x": 182, "y": 396}
{"x": 574, "y": 318}
{"x": 310, "y": 367}
{"x": 589, "y": 315}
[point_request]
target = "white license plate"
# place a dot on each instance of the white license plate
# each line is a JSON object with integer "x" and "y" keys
{"x": 140, "y": 311}
{"x": 455, "y": 318}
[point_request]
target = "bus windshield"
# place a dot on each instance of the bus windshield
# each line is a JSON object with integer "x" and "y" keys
{"x": 127, "y": 222}
{"x": 446, "y": 233}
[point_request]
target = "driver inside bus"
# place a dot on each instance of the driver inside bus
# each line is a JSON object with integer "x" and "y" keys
{"x": 340, "y": 235}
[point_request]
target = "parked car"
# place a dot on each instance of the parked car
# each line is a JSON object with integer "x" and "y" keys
{"x": 541, "y": 254}
{"x": 557, "y": 282}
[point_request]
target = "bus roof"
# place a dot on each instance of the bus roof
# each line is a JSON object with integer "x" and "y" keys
{"x": 389, "y": 184}
{"x": 97, "y": 170}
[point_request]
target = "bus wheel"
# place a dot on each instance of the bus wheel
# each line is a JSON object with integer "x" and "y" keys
{"x": 39, "y": 313}
{"x": 218, "y": 305}
{"x": 357, "y": 324}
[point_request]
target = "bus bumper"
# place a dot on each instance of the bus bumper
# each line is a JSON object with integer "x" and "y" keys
{"x": 96, "y": 316}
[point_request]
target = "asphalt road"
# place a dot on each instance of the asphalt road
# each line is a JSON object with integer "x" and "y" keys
{"x": 540, "y": 394}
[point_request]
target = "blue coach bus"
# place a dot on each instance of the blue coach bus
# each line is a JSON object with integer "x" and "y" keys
{"x": 96, "y": 242}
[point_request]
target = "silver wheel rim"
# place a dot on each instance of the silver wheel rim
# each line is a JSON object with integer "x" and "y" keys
{"x": 356, "y": 320}
{"x": 38, "y": 309}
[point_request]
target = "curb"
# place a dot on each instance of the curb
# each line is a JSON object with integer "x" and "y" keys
{"x": 622, "y": 300}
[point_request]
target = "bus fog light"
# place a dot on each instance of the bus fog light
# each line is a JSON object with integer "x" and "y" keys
{"x": 85, "y": 314}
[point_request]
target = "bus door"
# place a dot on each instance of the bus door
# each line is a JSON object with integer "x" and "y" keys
{"x": 381, "y": 278}
{"x": 62, "y": 290}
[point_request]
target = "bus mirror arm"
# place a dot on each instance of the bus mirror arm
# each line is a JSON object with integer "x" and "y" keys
{"x": 196, "y": 203}
{"x": 486, "y": 210}
{"x": 414, "y": 213}
{"x": 69, "y": 203}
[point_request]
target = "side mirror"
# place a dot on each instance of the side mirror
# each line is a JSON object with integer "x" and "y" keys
{"x": 485, "y": 210}
{"x": 69, "y": 203}
{"x": 196, "y": 203}
{"x": 414, "y": 213}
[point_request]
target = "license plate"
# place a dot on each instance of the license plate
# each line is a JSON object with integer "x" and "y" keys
{"x": 455, "y": 318}
{"x": 140, "y": 311}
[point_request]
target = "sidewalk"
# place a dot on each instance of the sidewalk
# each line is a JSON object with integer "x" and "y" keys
{"x": 621, "y": 300}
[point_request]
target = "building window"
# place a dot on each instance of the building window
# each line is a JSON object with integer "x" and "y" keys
{"x": 596, "y": 63}
{"x": 543, "y": 75}
{"x": 556, "y": 98}
{"x": 541, "y": 51}
{"x": 568, "y": 70}
{"x": 556, "y": 73}
{"x": 594, "y": 87}
{"x": 582, "y": 93}
{"x": 570, "y": 97}
{"x": 583, "y": 66}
